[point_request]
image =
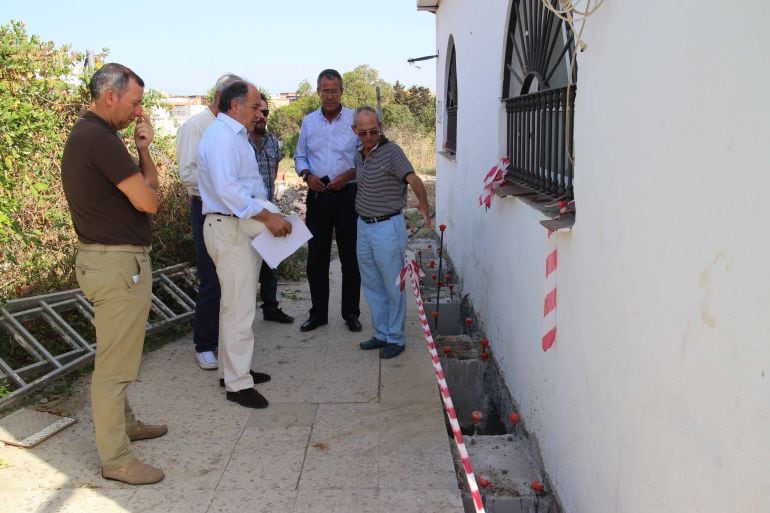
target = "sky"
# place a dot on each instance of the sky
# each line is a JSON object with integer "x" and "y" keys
{"x": 181, "y": 47}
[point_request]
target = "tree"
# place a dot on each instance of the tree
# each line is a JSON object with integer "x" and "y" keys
{"x": 420, "y": 102}
{"x": 304, "y": 89}
{"x": 361, "y": 87}
{"x": 42, "y": 90}
{"x": 399, "y": 93}
{"x": 286, "y": 121}
{"x": 398, "y": 116}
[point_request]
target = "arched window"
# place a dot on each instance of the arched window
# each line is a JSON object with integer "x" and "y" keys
{"x": 539, "y": 105}
{"x": 451, "y": 101}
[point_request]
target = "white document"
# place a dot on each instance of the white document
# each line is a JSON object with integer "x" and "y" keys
{"x": 275, "y": 250}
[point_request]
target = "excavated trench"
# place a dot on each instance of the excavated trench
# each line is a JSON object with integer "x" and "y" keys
{"x": 502, "y": 453}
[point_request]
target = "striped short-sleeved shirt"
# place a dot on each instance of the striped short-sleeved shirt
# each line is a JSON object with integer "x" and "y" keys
{"x": 381, "y": 177}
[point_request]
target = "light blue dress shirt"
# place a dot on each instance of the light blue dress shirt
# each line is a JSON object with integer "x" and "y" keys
{"x": 326, "y": 149}
{"x": 228, "y": 173}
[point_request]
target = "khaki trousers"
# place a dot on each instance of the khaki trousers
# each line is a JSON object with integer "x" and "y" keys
{"x": 228, "y": 242}
{"x": 118, "y": 281}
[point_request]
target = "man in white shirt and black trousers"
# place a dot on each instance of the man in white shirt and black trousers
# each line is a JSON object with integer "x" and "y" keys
{"x": 236, "y": 208}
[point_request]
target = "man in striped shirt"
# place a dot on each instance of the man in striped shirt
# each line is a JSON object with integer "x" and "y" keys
{"x": 382, "y": 173}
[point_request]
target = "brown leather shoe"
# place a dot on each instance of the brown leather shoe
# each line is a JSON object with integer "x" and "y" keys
{"x": 134, "y": 473}
{"x": 145, "y": 432}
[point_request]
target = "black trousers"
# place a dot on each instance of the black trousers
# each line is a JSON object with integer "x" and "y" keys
{"x": 268, "y": 287}
{"x": 327, "y": 213}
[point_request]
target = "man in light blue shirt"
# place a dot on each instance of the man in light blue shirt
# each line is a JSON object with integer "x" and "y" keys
{"x": 237, "y": 209}
{"x": 324, "y": 159}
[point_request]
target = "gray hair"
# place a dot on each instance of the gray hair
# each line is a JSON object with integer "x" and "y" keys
{"x": 112, "y": 76}
{"x": 329, "y": 74}
{"x": 224, "y": 81}
{"x": 369, "y": 109}
{"x": 235, "y": 91}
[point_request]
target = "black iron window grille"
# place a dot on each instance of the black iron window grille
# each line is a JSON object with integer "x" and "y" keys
{"x": 538, "y": 100}
{"x": 451, "y": 104}
{"x": 540, "y": 141}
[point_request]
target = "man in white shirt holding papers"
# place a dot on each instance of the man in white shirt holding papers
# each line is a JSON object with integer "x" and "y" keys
{"x": 236, "y": 208}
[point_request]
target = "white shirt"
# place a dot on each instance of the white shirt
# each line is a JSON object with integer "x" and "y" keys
{"x": 187, "y": 138}
{"x": 228, "y": 174}
{"x": 326, "y": 148}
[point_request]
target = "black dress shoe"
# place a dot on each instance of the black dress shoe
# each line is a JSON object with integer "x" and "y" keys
{"x": 258, "y": 377}
{"x": 353, "y": 324}
{"x": 312, "y": 323}
{"x": 372, "y": 343}
{"x": 248, "y": 397}
{"x": 277, "y": 315}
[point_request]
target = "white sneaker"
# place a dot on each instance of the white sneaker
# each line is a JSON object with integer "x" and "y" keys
{"x": 207, "y": 360}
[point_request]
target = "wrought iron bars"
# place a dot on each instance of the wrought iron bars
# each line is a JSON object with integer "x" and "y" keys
{"x": 540, "y": 141}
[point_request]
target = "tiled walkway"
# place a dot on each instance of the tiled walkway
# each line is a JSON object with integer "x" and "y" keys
{"x": 345, "y": 432}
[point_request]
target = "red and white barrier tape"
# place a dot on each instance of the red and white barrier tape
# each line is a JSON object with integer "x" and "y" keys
{"x": 549, "y": 306}
{"x": 495, "y": 177}
{"x": 414, "y": 271}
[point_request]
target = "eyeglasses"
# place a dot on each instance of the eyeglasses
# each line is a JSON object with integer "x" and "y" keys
{"x": 371, "y": 131}
{"x": 265, "y": 112}
{"x": 330, "y": 92}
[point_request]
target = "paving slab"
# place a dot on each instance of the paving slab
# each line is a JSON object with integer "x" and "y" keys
{"x": 345, "y": 431}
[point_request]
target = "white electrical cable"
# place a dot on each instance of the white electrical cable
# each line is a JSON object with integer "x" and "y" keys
{"x": 569, "y": 12}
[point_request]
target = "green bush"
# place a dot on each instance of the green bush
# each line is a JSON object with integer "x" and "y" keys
{"x": 42, "y": 90}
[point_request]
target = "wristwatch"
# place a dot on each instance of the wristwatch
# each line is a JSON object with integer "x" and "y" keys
{"x": 305, "y": 174}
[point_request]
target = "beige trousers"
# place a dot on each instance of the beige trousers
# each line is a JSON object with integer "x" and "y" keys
{"x": 118, "y": 281}
{"x": 228, "y": 242}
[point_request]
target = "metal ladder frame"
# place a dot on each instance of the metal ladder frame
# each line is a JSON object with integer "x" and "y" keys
{"x": 47, "y": 308}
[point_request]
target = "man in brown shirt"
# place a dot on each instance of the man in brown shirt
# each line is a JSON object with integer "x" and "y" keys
{"x": 111, "y": 198}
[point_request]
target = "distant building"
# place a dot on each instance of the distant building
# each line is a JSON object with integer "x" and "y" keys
{"x": 182, "y": 108}
{"x": 283, "y": 99}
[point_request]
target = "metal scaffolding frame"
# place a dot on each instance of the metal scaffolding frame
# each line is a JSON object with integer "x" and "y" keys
{"x": 32, "y": 360}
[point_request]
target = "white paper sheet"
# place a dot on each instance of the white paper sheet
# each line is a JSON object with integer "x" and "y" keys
{"x": 275, "y": 250}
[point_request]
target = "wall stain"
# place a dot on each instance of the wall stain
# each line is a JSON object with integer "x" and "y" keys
{"x": 718, "y": 264}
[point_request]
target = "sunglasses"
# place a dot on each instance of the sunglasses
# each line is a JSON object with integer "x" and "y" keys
{"x": 265, "y": 112}
{"x": 371, "y": 131}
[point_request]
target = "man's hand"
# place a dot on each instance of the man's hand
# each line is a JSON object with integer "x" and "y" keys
{"x": 426, "y": 216}
{"x": 341, "y": 180}
{"x": 142, "y": 133}
{"x": 338, "y": 183}
{"x": 315, "y": 183}
{"x": 277, "y": 225}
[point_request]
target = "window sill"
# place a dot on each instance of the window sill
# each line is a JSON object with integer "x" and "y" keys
{"x": 544, "y": 204}
{"x": 449, "y": 155}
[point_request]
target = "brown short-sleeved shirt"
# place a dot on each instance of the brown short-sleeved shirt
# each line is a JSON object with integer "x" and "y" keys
{"x": 95, "y": 161}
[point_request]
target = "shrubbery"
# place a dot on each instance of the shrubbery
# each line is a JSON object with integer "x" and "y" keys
{"x": 42, "y": 90}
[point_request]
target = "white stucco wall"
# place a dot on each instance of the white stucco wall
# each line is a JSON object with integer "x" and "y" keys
{"x": 656, "y": 396}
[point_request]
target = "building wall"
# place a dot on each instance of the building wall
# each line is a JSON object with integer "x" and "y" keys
{"x": 656, "y": 395}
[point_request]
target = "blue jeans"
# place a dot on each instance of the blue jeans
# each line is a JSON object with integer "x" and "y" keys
{"x": 380, "y": 250}
{"x": 206, "y": 322}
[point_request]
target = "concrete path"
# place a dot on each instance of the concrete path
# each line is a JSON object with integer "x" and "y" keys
{"x": 345, "y": 432}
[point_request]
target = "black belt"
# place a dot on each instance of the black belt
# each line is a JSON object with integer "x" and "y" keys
{"x": 223, "y": 215}
{"x": 379, "y": 219}
{"x": 335, "y": 191}
{"x": 195, "y": 198}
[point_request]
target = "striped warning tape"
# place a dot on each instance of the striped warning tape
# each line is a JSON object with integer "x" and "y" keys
{"x": 413, "y": 268}
{"x": 549, "y": 306}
